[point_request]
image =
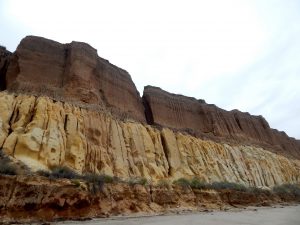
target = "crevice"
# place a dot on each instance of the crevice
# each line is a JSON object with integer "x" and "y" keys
{"x": 165, "y": 149}
{"x": 67, "y": 63}
{"x": 12, "y": 119}
{"x": 151, "y": 194}
{"x": 104, "y": 99}
{"x": 44, "y": 135}
{"x": 147, "y": 111}
{"x": 4, "y": 62}
{"x": 238, "y": 123}
{"x": 11, "y": 194}
{"x": 65, "y": 122}
{"x": 3, "y": 71}
{"x": 41, "y": 145}
{"x": 9, "y": 129}
{"x": 32, "y": 112}
{"x": 15, "y": 145}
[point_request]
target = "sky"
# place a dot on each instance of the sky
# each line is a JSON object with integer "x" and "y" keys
{"x": 236, "y": 54}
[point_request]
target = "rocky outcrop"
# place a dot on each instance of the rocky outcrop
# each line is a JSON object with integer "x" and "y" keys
{"x": 75, "y": 73}
{"x": 209, "y": 121}
{"x": 4, "y": 61}
{"x": 26, "y": 199}
{"x": 44, "y": 133}
{"x": 64, "y": 105}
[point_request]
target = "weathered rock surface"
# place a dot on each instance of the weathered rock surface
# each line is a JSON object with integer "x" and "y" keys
{"x": 209, "y": 121}
{"x": 64, "y": 105}
{"x": 4, "y": 60}
{"x": 72, "y": 72}
{"x": 25, "y": 199}
{"x": 44, "y": 133}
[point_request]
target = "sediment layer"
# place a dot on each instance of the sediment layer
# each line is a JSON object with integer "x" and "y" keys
{"x": 72, "y": 72}
{"x": 75, "y": 74}
{"x": 211, "y": 122}
{"x": 44, "y": 133}
{"x": 33, "y": 198}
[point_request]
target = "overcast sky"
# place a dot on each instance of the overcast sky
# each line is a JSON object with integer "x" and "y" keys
{"x": 235, "y": 54}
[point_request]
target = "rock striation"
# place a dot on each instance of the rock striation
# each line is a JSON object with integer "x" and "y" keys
{"x": 72, "y": 72}
{"x": 4, "y": 60}
{"x": 28, "y": 199}
{"x": 63, "y": 105}
{"x": 209, "y": 121}
{"x": 44, "y": 133}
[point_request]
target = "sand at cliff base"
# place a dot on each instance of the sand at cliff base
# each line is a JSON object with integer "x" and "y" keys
{"x": 289, "y": 215}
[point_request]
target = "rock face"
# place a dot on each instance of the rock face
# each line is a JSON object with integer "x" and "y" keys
{"x": 72, "y": 72}
{"x": 44, "y": 133}
{"x": 4, "y": 60}
{"x": 207, "y": 120}
{"x": 34, "y": 199}
{"x": 64, "y": 105}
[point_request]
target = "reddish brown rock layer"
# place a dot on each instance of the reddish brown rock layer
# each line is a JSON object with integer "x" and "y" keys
{"x": 75, "y": 73}
{"x": 72, "y": 72}
{"x": 4, "y": 60}
{"x": 207, "y": 120}
{"x": 25, "y": 199}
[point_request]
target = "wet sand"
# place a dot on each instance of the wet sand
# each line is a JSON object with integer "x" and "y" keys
{"x": 288, "y": 215}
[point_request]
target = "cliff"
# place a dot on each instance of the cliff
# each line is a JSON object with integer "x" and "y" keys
{"x": 72, "y": 72}
{"x": 24, "y": 200}
{"x": 209, "y": 121}
{"x": 44, "y": 133}
{"x": 4, "y": 60}
{"x": 64, "y": 105}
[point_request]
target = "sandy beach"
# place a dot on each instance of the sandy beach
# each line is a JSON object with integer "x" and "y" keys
{"x": 288, "y": 215}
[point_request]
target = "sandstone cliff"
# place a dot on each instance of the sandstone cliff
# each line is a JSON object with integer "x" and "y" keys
{"x": 44, "y": 133}
{"x": 209, "y": 121}
{"x": 64, "y": 105}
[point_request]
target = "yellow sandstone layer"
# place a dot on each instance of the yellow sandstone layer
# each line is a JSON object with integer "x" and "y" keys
{"x": 44, "y": 133}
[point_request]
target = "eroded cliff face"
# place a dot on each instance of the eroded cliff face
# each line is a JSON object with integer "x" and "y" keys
{"x": 75, "y": 73}
{"x": 64, "y": 105}
{"x": 209, "y": 121}
{"x": 4, "y": 61}
{"x": 44, "y": 133}
{"x": 27, "y": 199}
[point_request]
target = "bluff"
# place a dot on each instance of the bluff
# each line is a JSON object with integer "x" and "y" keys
{"x": 44, "y": 133}
{"x": 211, "y": 122}
{"x": 63, "y": 105}
{"x": 33, "y": 199}
{"x": 4, "y": 60}
{"x": 72, "y": 72}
